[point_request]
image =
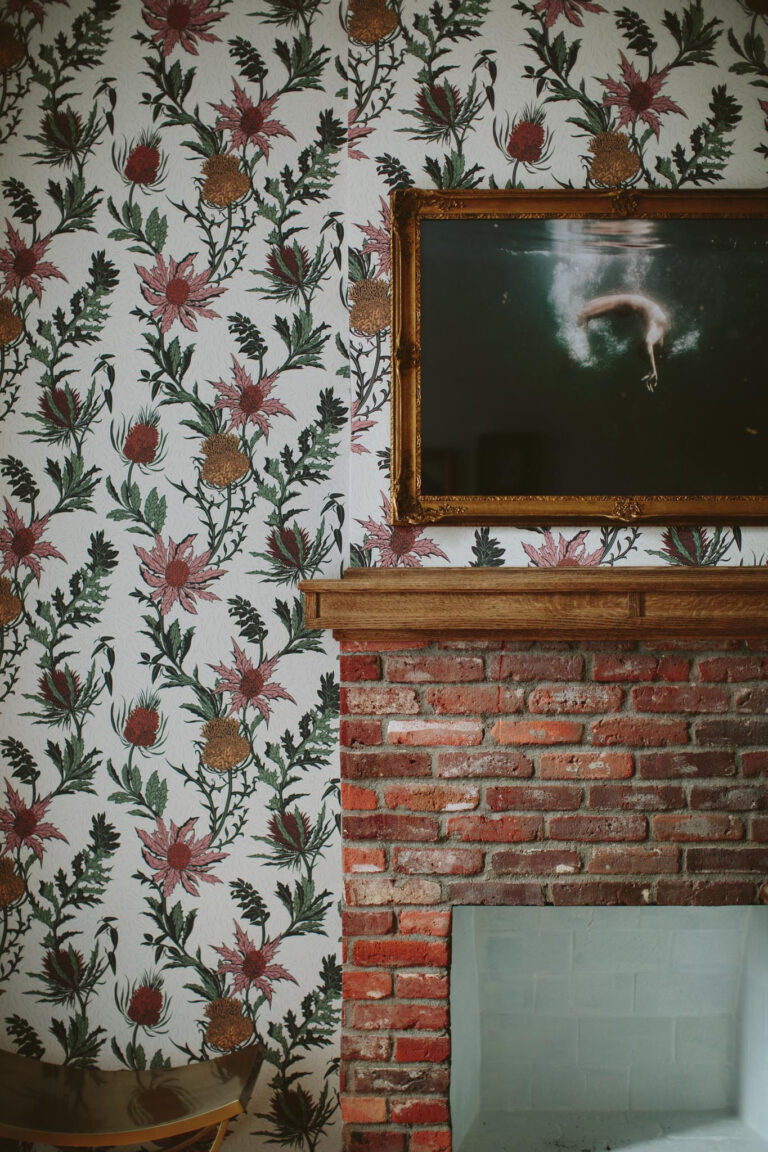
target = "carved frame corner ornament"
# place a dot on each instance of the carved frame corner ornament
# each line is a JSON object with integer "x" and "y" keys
{"x": 410, "y": 207}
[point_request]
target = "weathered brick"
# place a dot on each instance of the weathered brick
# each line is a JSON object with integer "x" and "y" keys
{"x": 366, "y": 985}
{"x": 363, "y": 1109}
{"x": 732, "y": 668}
{"x": 400, "y": 1017}
{"x": 399, "y": 645}
{"x": 424, "y": 1079}
{"x": 599, "y": 892}
{"x": 628, "y": 860}
{"x": 752, "y": 700}
{"x": 536, "y": 862}
{"x": 754, "y": 763}
{"x": 421, "y": 1109}
{"x": 484, "y": 763}
{"x": 712, "y": 893}
{"x": 759, "y": 830}
{"x": 537, "y": 732}
{"x": 477, "y": 699}
{"x": 628, "y": 826}
{"x": 576, "y": 698}
{"x": 355, "y": 922}
{"x": 687, "y": 826}
{"x": 359, "y": 666}
{"x": 430, "y": 1140}
{"x": 506, "y": 797}
{"x": 490, "y": 892}
{"x": 390, "y": 826}
{"x": 421, "y": 985}
{"x": 742, "y": 859}
{"x": 354, "y": 859}
{"x": 414, "y": 922}
{"x": 438, "y": 861}
{"x": 684, "y": 765}
{"x": 638, "y": 666}
{"x": 395, "y": 952}
{"x": 434, "y": 731}
{"x": 355, "y": 798}
{"x": 374, "y": 1141}
{"x": 639, "y": 732}
{"x": 729, "y": 797}
{"x": 636, "y": 797}
{"x": 504, "y": 829}
{"x": 737, "y": 730}
{"x": 359, "y": 733}
{"x": 586, "y": 765}
{"x": 355, "y": 1046}
{"x": 439, "y": 668}
{"x": 521, "y": 666}
{"x": 432, "y": 797}
{"x": 384, "y": 765}
{"x": 373, "y": 890}
{"x": 381, "y": 700}
{"x": 681, "y": 698}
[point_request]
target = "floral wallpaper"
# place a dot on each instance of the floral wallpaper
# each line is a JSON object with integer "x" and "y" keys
{"x": 194, "y": 384}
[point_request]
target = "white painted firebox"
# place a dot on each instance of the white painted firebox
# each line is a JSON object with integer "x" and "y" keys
{"x": 624, "y": 1028}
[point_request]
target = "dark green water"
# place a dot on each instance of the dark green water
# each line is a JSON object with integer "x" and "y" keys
{"x": 518, "y": 398}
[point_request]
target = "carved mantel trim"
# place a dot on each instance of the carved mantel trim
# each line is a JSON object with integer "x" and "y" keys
{"x": 541, "y": 603}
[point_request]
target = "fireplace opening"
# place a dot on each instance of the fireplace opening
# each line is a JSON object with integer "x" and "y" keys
{"x": 642, "y": 1029}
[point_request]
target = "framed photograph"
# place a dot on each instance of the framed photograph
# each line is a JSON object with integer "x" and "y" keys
{"x": 580, "y": 357}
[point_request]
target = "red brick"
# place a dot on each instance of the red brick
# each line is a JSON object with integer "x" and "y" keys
{"x": 754, "y": 763}
{"x": 359, "y": 666}
{"x": 355, "y": 798}
{"x": 738, "y": 730}
{"x": 399, "y": 645}
{"x": 363, "y": 859}
{"x": 359, "y": 733}
{"x": 681, "y": 698}
{"x": 684, "y": 765}
{"x": 357, "y": 923}
{"x": 476, "y": 699}
{"x": 374, "y": 1141}
{"x": 384, "y": 765}
{"x": 586, "y": 765}
{"x": 759, "y": 830}
{"x": 420, "y": 1109}
{"x": 752, "y": 700}
{"x": 697, "y": 643}
{"x": 399, "y": 953}
{"x": 436, "y": 732}
{"x": 757, "y": 644}
{"x": 366, "y": 985}
{"x": 373, "y": 890}
{"x": 732, "y": 668}
{"x": 400, "y": 1017}
{"x": 390, "y": 826}
{"x": 730, "y": 797}
{"x": 439, "y": 861}
{"x": 537, "y": 732}
{"x": 636, "y": 797}
{"x": 363, "y": 1109}
{"x": 484, "y": 763}
{"x": 727, "y": 859}
{"x": 712, "y": 893}
{"x": 629, "y": 826}
{"x": 421, "y": 986}
{"x": 473, "y": 643}
{"x": 429, "y": 1140}
{"x": 522, "y": 666}
{"x": 357, "y": 1047}
{"x": 493, "y": 829}
{"x": 536, "y": 862}
{"x": 638, "y": 666}
{"x": 437, "y": 669}
{"x": 506, "y": 797}
{"x": 379, "y": 701}
{"x": 424, "y": 1079}
{"x": 630, "y": 861}
{"x": 638, "y": 731}
{"x": 432, "y": 797}
{"x": 697, "y": 826}
{"x": 576, "y": 698}
{"x": 430, "y": 923}
{"x": 488, "y": 892}
{"x": 599, "y": 892}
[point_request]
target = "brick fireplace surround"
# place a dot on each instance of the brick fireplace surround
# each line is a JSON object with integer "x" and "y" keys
{"x": 507, "y": 771}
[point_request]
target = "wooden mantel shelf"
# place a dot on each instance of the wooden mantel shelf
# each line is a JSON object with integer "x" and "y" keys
{"x": 541, "y": 603}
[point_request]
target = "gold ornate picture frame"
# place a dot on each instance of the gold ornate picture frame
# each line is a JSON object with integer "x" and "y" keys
{"x": 540, "y": 337}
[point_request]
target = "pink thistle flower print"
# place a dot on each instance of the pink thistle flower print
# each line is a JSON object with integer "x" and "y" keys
{"x": 248, "y": 123}
{"x": 249, "y": 401}
{"x": 22, "y": 823}
{"x": 252, "y": 967}
{"x": 377, "y": 242}
{"x": 249, "y": 685}
{"x": 571, "y": 9}
{"x": 356, "y": 132}
{"x": 21, "y": 543}
{"x": 177, "y": 575}
{"x": 397, "y": 545}
{"x": 563, "y": 554}
{"x": 177, "y": 293}
{"x": 179, "y": 22}
{"x": 360, "y": 425}
{"x": 638, "y": 99}
{"x": 177, "y": 857}
{"x": 23, "y": 264}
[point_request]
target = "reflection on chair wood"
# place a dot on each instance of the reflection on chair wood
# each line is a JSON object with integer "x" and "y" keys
{"x": 84, "y": 1107}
